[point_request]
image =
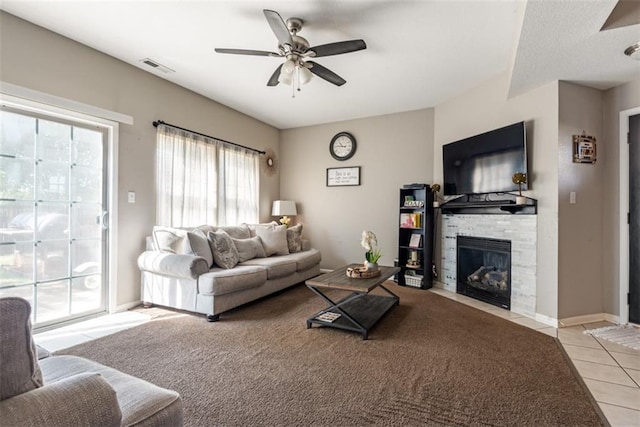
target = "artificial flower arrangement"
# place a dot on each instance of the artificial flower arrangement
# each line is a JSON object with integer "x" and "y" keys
{"x": 369, "y": 242}
{"x": 519, "y": 178}
{"x": 285, "y": 220}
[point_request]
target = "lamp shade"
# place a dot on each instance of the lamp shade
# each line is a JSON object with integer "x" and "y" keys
{"x": 286, "y": 72}
{"x": 284, "y": 207}
{"x": 305, "y": 76}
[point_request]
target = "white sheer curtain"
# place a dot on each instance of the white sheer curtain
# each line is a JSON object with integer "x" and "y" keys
{"x": 201, "y": 180}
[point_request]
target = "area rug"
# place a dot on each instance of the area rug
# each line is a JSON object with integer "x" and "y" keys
{"x": 625, "y": 335}
{"x": 430, "y": 361}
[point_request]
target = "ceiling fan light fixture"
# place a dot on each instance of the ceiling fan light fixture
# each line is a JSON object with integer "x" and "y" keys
{"x": 286, "y": 72}
{"x": 305, "y": 75}
{"x": 286, "y": 79}
{"x": 633, "y": 51}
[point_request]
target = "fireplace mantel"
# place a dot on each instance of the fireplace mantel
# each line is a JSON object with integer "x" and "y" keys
{"x": 489, "y": 204}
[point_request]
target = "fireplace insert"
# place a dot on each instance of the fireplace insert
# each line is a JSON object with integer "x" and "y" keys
{"x": 483, "y": 268}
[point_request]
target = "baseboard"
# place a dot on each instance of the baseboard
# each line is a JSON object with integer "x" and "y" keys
{"x": 612, "y": 318}
{"x": 551, "y": 321}
{"x": 126, "y": 306}
{"x": 589, "y": 318}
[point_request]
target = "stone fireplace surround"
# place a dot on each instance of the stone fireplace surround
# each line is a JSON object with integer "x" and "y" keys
{"x": 519, "y": 229}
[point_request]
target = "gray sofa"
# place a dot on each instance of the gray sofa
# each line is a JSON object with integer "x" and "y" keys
{"x": 210, "y": 270}
{"x": 69, "y": 390}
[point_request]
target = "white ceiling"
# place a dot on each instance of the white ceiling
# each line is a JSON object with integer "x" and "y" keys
{"x": 419, "y": 53}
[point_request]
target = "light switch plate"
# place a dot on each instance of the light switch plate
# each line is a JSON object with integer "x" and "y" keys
{"x": 572, "y": 197}
{"x": 132, "y": 197}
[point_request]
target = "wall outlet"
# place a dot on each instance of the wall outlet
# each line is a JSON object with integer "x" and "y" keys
{"x": 131, "y": 197}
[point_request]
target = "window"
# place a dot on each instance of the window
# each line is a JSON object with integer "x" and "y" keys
{"x": 201, "y": 180}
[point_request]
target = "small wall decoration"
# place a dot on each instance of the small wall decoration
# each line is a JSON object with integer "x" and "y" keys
{"x": 584, "y": 148}
{"x": 343, "y": 177}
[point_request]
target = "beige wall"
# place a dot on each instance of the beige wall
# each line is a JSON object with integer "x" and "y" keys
{"x": 580, "y": 255}
{"x": 487, "y": 107}
{"x": 392, "y": 150}
{"x": 618, "y": 99}
{"x": 38, "y": 59}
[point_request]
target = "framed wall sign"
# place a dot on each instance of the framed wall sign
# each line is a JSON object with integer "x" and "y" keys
{"x": 342, "y": 177}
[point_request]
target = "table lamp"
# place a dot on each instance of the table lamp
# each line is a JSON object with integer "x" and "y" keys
{"x": 284, "y": 208}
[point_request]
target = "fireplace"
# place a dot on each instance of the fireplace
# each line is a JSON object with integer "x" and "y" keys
{"x": 483, "y": 269}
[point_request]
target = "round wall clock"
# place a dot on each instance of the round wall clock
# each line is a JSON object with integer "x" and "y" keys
{"x": 342, "y": 146}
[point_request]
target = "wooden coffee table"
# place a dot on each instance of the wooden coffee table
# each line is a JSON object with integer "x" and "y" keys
{"x": 360, "y": 310}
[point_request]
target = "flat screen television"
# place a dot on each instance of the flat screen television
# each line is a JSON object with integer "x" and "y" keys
{"x": 485, "y": 163}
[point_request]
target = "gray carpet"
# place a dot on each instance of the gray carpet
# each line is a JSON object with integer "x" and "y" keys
{"x": 430, "y": 361}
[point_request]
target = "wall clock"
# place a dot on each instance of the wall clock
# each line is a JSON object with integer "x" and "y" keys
{"x": 342, "y": 146}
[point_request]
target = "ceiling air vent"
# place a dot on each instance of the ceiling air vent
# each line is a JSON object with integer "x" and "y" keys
{"x": 157, "y": 66}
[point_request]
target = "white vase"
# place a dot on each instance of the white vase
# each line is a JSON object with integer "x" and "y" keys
{"x": 371, "y": 266}
{"x": 521, "y": 200}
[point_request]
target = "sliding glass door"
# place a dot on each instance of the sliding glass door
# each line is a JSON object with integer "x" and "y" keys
{"x": 53, "y": 231}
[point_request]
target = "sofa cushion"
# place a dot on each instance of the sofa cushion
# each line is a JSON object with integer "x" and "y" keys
{"x": 274, "y": 239}
{"x": 224, "y": 251}
{"x": 277, "y": 267}
{"x": 220, "y": 281}
{"x": 19, "y": 368}
{"x": 141, "y": 402}
{"x": 249, "y": 248}
{"x": 305, "y": 260}
{"x": 199, "y": 245}
{"x": 294, "y": 238}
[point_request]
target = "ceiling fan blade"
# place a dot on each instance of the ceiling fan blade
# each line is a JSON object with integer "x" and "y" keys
{"x": 273, "y": 81}
{"x": 278, "y": 27}
{"x": 247, "y": 52}
{"x": 338, "y": 48}
{"x": 325, "y": 73}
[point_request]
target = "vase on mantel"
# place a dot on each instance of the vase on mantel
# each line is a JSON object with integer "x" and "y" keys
{"x": 371, "y": 266}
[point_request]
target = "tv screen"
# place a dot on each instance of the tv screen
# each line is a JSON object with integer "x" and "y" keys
{"x": 485, "y": 163}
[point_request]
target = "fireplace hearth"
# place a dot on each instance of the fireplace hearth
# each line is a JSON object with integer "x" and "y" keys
{"x": 484, "y": 269}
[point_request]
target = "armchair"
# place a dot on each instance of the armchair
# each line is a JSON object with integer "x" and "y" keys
{"x": 69, "y": 390}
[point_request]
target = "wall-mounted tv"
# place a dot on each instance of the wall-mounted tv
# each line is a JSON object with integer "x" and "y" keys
{"x": 485, "y": 163}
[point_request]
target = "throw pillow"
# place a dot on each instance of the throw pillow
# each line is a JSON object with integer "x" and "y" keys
{"x": 224, "y": 251}
{"x": 294, "y": 238}
{"x": 236, "y": 231}
{"x": 171, "y": 240}
{"x": 274, "y": 239}
{"x": 19, "y": 368}
{"x": 199, "y": 245}
{"x": 249, "y": 248}
{"x": 252, "y": 227}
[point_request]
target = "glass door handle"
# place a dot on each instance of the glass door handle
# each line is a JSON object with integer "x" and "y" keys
{"x": 104, "y": 220}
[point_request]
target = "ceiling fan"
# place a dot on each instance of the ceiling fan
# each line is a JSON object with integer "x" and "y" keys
{"x": 297, "y": 68}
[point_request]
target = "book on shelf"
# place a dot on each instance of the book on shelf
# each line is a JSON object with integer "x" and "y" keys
{"x": 410, "y": 220}
{"x": 415, "y": 241}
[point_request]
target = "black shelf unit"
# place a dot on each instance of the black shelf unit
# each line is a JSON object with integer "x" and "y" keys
{"x": 416, "y": 200}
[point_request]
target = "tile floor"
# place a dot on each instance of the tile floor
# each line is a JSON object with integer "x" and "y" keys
{"x": 610, "y": 371}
